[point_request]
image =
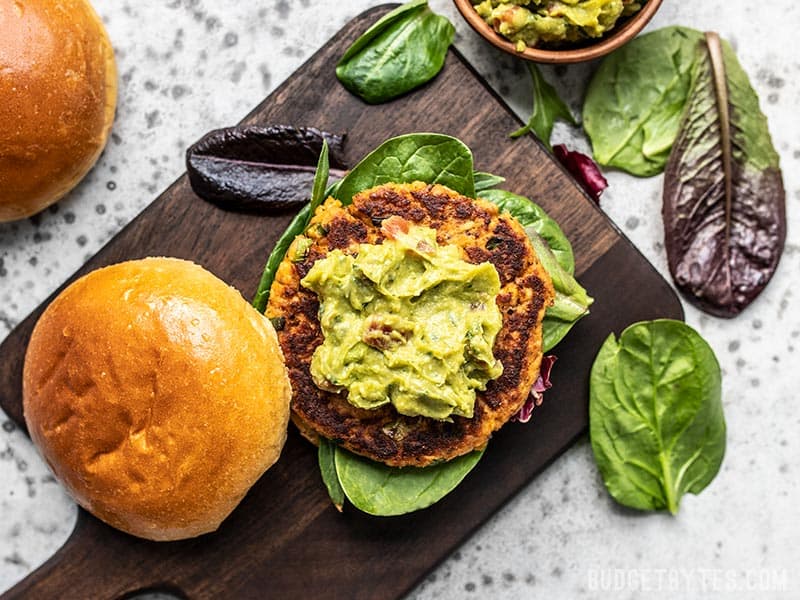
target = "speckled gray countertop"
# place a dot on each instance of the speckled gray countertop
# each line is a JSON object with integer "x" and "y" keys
{"x": 187, "y": 66}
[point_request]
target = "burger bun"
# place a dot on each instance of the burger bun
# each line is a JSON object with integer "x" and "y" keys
{"x": 58, "y": 91}
{"x": 157, "y": 395}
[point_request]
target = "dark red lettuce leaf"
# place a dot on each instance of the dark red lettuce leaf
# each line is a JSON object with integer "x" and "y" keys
{"x": 542, "y": 382}
{"x": 724, "y": 200}
{"x": 583, "y": 169}
{"x": 259, "y": 169}
{"x": 536, "y": 397}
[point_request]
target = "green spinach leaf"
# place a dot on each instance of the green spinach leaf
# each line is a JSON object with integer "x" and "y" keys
{"x": 333, "y": 189}
{"x": 404, "y": 49}
{"x": 530, "y": 214}
{"x": 571, "y": 302}
{"x": 391, "y": 18}
{"x": 428, "y": 157}
{"x": 724, "y": 200}
{"x": 387, "y": 491}
{"x": 635, "y": 100}
{"x": 320, "y": 179}
{"x": 547, "y": 107}
{"x": 655, "y": 414}
{"x": 296, "y": 227}
{"x": 485, "y": 181}
{"x": 327, "y": 466}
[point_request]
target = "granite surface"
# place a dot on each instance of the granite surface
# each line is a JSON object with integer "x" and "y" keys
{"x": 187, "y": 66}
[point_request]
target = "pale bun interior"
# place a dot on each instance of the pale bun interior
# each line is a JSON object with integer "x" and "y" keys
{"x": 157, "y": 395}
{"x": 58, "y": 85}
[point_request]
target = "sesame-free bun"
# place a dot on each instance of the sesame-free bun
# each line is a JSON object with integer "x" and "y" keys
{"x": 58, "y": 91}
{"x": 157, "y": 395}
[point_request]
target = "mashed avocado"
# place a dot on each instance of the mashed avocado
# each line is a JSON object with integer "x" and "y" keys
{"x": 552, "y": 22}
{"x": 407, "y": 322}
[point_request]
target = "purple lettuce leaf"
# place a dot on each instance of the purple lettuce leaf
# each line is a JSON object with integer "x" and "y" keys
{"x": 583, "y": 169}
{"x": 536, "y": 396}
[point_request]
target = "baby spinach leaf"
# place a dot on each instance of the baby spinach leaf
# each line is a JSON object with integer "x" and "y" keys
{"x": 391, "y": 18}
{"x": 296, "y": 227}
{"x": 724, "y": 200}
{"x": 327, "y": 467}
{"x": 404, "y": 49}
{"x": 531, "y": 214}
{"x": 571, "y": 301}
{"x": 547, "y": 107}
{"x": 635, "y": 100}
{"x": 556, "y": 329}
{"x": 387, "y": 491}
{"x": 428, "y": 157}
{"x": 320, "y": 180}
{"x": 655, "y": 414}
{"x": 485, "y": 181}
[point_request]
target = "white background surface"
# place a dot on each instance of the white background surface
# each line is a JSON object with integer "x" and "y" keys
{"x": 189, "y": 66}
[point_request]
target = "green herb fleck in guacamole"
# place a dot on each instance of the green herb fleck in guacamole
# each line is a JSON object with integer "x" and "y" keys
{"x": 407, "y": 322}
{"x": 553, "y": 22}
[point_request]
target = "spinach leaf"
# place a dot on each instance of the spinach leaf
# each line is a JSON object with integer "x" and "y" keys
{"x": 636, "y": 98}
{"x": 571, "y": 300}
{"x": 485, "y": 181}
{"x": 327, "y": 467}
{"x": 428, "y": 157}
{"x": 404, "y": 49}
{"x": 387, "y": 491}
{"x": 391, "y": 18}
{"x": 547, "y": 107}
{"x": 724, "y": 200}
{"x": 296, "y": 227}
{"x": 320, "y": 180}
{"x": 333, "y": 189}
{"x": 530, "y": 214}
{"x": 655, "y": 414}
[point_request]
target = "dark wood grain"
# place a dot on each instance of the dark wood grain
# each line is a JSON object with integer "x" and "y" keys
{"x": 286, "y": 539}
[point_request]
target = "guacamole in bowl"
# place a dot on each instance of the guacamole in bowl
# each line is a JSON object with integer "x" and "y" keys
{"x": 553, "y": 23}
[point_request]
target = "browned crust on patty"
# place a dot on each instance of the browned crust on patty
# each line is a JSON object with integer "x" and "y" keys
{"x": 483, "y": 234}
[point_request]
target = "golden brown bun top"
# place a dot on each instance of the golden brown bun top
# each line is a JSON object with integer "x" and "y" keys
{"x": 58, "y": 89}
{"x": 157, "y": 395}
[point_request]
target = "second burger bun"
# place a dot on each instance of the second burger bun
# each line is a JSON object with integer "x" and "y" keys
{"x": 58, "y": 91}
{"x": 157, "y": 395}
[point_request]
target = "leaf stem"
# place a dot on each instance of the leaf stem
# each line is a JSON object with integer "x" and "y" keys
{"x": 669, "y": 490}
{"x": 721, "y": 89}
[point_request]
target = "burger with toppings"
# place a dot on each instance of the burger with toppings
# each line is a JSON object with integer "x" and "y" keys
{"x": 410, "y": 315}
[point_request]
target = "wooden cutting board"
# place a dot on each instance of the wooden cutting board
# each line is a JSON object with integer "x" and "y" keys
{"x": 286, "y": 540}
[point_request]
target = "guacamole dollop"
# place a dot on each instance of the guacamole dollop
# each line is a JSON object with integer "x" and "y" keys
{"x": 552, "y": 22}
{"x": 406, "y": 322}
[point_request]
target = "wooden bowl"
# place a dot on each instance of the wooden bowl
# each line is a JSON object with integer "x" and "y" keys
{"x": 570, "y": 54}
